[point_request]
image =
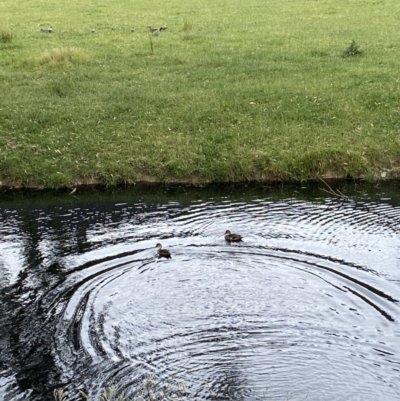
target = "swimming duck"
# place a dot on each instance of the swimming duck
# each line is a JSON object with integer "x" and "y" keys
{"x": 163, "y": 253}
{"x": 232, "y": 237}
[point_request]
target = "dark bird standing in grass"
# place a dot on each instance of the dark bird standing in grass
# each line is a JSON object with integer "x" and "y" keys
{"x": 232, "y": 237}
{"x": 163, "y": 253}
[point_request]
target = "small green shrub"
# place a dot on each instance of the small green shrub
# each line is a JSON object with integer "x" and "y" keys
{"x": 352, "y": 50}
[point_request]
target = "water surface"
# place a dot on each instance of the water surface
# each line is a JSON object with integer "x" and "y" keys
{"x": 306, "y": 306}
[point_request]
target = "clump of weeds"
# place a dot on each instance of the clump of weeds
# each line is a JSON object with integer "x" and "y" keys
{"x": 352, "y": 50}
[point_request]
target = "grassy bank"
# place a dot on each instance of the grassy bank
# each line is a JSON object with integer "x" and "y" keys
{"x": 230, "y": 91}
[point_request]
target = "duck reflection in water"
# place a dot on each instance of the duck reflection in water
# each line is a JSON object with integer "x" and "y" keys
{"x": 163, "y": 253}
{"x": 232, "y": 237}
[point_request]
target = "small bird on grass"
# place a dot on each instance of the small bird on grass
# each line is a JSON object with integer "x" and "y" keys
{"x": 163, "y": 253}
{"x": 48, "y": 29}
{"x": 156, "y": 31}
{"x": 93, "y": 30}
{"x": 232, "y": 237}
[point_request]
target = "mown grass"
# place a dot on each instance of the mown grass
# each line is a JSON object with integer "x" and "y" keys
{"x": 230, "y": 91}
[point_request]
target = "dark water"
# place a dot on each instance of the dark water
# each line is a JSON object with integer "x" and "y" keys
{"x": 307, "y": 306}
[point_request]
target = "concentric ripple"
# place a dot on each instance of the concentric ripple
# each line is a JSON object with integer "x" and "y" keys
{"x": 307, "y": 305}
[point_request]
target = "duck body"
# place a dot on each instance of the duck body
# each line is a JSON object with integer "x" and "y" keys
{"x": 163, "y": 253}
{"x": 232, "y": 237}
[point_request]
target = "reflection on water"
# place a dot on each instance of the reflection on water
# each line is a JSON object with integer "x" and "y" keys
{"x": 306, "y": 305}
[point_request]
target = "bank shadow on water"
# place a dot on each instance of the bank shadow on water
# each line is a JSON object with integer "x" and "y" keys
{"x": 307, "y": 304}
{"x": 152, "y": 193}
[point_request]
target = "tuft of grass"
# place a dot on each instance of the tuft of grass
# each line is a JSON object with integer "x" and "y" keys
{"x": 108, "y": 394}
{"x": 151, "y": 43}
{"x": 63, "y": 56}
{"x": 6, "y": 36}
{"x": 151, "y": 390}
{"x": 318, "y": 53}
{"x": 61, "y": 86}
{"x": 187, "y": 29}
{"x": 60, "y": 395}
{"x": 352, "y": 50}
{"x": 187, "y": 26}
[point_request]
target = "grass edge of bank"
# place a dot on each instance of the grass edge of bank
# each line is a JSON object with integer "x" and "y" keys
{"x": 197, "y": 181}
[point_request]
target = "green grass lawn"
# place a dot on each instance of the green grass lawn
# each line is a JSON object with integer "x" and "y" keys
{"x": 232, "y": 90}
